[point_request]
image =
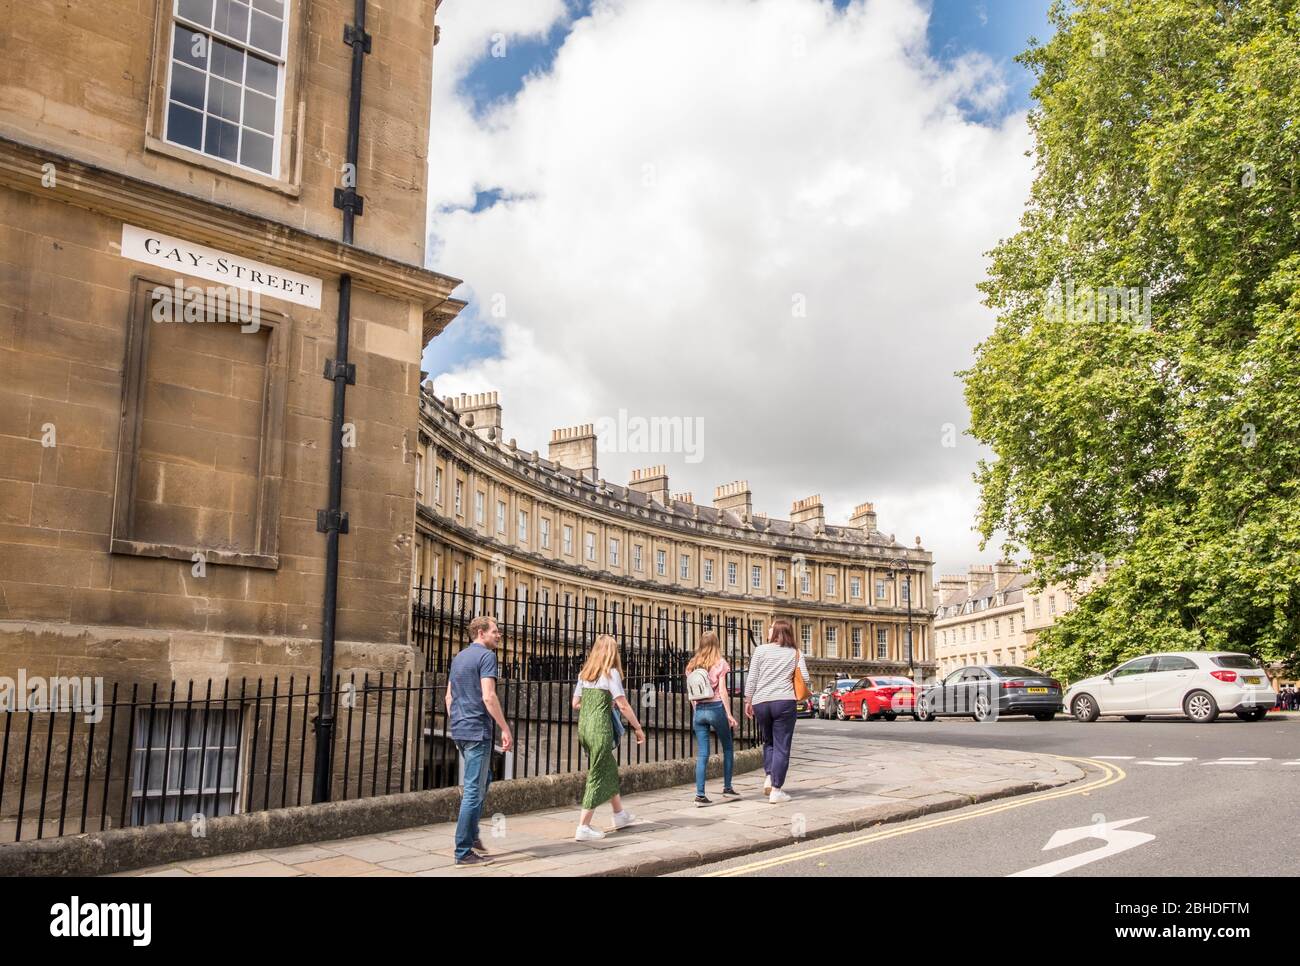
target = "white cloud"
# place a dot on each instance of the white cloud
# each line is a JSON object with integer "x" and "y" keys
{"x": 685, "y": 176}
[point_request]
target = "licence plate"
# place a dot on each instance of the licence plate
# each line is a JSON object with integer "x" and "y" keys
{"x": 1252, "y": 680}
{"x": 1036, "y": 690}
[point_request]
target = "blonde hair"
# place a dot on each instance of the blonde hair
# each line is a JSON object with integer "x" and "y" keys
{"x": 707, "y": 653}
{"x": 603, "y": 657}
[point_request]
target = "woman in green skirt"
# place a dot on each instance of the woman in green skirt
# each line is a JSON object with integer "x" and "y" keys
{"x": 598, "y": 693}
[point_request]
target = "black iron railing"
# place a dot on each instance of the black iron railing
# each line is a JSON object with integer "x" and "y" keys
{"x": 189, "y": 752}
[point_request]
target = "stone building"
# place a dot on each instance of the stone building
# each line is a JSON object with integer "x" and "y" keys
{"x": 504, "y": 522}
{"x": 980, "y": 617}
{"x": 174, "y": 175}
{"x": 992, "y": 616}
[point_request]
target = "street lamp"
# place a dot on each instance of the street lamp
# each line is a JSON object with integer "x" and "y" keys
{"x": 907, "y": 577}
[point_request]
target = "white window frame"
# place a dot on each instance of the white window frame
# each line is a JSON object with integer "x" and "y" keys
{"x": 708, "y": 570}
{"x": 756, "y": 577}
{"x": 731, "y": 573}
{"x": 568, "y": 539}
{"x": 282, "y": 72}
{"x": 613, "y": 551}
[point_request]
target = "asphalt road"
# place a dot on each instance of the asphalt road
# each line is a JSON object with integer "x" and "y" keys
{"x": 1162, "y": 798}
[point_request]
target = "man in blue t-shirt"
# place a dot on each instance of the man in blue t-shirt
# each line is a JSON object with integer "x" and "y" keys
{"x": 472, "y": 707}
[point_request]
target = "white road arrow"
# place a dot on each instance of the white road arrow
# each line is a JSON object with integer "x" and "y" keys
{"x": 1117, "y": 840}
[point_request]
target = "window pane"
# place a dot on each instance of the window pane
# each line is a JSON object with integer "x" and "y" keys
{"x": 223, "y": 99}
{"x": 222, "y": 140}
{"x": 262, "y": 76}
{"x": 273, "y": 7}
{"x": 232, "y": 19}
{"x": 187, "y": 85}
{"x": 227, "y": 61}
{"x": 258, "y": 151}
{"x": 199, "y": 11}
{"x": 185, "y": 126}
{"x": 190, "y": 48}
{"x": 266, "y": 34}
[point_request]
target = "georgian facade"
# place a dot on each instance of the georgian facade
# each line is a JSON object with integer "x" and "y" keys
{"x": 980, "y": 618}
{"x": 495, "y": 519}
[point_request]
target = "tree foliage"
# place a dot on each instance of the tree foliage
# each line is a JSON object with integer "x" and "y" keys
{"x": 1167, "y": 138}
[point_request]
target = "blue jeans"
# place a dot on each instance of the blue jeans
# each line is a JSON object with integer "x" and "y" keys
{"x": 713, "y": 715}
{"x": 477, "y": 756}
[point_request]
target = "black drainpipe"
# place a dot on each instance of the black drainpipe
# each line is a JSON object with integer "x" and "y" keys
{"x": 332, "y": 521}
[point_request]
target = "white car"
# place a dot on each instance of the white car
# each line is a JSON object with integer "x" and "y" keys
{"x": 1198, "y": 684}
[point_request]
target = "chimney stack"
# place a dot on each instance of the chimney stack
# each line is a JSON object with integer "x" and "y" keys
{"x": 809, "y": 510}
{"x": 479, "y": 411}
{"x": 735, "y": 497}
{"x": 864, "y": 518}
{"x": 1004, "y": 571}
{"x": 575, "y": 447}
{"x": 978, "y": 576}
{"x": 685, "y": 497}
{"x": 652, "y": 481}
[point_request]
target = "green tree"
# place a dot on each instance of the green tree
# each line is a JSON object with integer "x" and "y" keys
{"x": 1167, "y": 138}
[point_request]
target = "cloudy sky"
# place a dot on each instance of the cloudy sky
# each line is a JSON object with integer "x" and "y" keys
{"x": 766, "y": 217}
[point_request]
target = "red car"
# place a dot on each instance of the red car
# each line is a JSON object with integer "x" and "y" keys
{"x": 878, "y": 697}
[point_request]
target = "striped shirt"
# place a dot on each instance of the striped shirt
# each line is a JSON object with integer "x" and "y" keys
{"x": 770, "y": 676}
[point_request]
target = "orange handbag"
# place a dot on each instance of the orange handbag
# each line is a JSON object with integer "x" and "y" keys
{"x": 801, "y": 692}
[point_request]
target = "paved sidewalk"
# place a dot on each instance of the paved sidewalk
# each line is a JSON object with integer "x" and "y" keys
{"x": 837, "y": 784}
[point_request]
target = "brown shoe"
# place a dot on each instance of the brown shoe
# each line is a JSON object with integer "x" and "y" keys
{"x": 478, "y": 846}
{"x": 474, "y": 859}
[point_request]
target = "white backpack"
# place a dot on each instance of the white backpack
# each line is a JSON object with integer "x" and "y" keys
{"x": 698, "y": 687}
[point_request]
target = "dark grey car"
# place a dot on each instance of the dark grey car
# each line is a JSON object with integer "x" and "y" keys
{"x": 986, "y": 691}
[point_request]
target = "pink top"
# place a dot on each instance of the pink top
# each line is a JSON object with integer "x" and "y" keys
{"x": 717, "y": 674}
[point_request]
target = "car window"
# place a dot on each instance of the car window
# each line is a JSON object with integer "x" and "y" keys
{"x": 954, "y": 677}
{"x": 1172, "y": 662}
{"x": 1141, "y": 666}
{"x": 1240, "y": 662}
{"x": 1012, "y": 671}
{"x": 974, "y": 674}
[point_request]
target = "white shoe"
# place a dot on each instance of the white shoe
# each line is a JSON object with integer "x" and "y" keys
{"x": 623, "y": 819}
{"x": 778, "y": 796}
{"x": 767, "y": 784}
{"x": 586, "y": 833}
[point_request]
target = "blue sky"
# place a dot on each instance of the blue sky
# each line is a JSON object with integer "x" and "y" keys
{"x": 998, "y": 28}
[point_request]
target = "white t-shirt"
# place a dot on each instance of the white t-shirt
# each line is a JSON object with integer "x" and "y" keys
{"x": 611, "y": 682}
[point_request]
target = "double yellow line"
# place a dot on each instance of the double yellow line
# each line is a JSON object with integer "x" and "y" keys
{"x": 1110, "y": 775}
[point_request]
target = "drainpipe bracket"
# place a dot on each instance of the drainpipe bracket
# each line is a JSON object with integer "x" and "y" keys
{"x": 346, "y": 370}
{"x": 347, "y": 199}
{"x": 353, "y": 36}
{"x": 327, "y": 520}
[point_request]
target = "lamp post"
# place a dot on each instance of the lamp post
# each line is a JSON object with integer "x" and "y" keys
{"x": 907, "y": 577}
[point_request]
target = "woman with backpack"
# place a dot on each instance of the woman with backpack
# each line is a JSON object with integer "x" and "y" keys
{"x": 598, "y": 692}
{"x": 776, "y": 674}
{"x": 706, "y": 676}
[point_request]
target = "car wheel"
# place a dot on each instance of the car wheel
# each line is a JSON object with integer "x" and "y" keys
{"x": 1135, "y": 717}
{"x": 983, "y": 708}
{"x": 916, "y": 717}
{"x": 923, "y": 712}
{"x": 890, "y": 715}
{"x": 1084, "y": 708}
{"x": 1045, "y": 716}
{"x": 1200, "y": 707}
{"x": 1259, "y": 714}
{"x": 839, "y": 712}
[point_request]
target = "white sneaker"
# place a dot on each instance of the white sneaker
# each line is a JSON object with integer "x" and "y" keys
{"x": 586, "y": 833}
{"x": 623, "y": 819}
{"x": 767, "y": 784}
{"x": 778, "y": 796}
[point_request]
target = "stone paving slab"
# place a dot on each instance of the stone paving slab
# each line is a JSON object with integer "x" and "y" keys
{"x": 836, "y": 784}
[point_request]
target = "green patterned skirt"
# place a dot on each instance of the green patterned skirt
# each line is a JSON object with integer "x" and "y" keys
{"x": 596, "y": 735}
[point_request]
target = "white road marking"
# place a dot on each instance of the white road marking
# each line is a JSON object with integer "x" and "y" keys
{"x": 1113, "y": 834}
{"x": 1163, "y": 764}
{"x": 1242, "y": 758}
{"x": 1169, "y": 758}
{"x": 1113, "y": 757}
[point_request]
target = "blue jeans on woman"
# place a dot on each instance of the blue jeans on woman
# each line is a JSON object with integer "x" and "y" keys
{"x": 712, "y": 715}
